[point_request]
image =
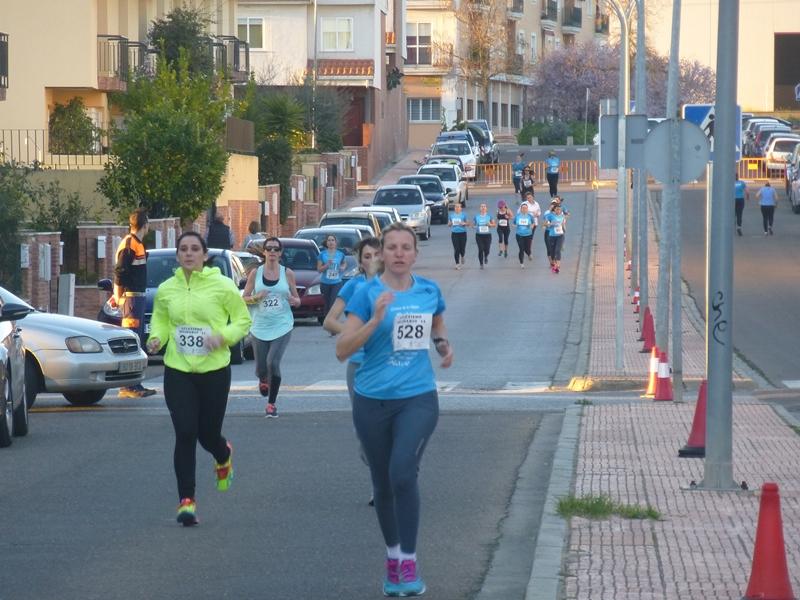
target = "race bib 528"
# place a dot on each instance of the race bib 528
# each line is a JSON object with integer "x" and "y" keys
{"x": 411, "y": 331}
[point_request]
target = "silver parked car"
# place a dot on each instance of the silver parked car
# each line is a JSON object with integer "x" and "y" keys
{"x": 13, "y": 409}
{"x": 410, "y": 202}
{"x": 76, "y": 357}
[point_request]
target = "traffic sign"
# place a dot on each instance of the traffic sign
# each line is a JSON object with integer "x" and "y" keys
{"x": 693, "y": 152}
{"x": 702, "y": 115}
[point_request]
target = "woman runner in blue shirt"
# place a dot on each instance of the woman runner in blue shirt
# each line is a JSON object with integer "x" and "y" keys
{"x": 458, "y": 233}
{"x": 483, "y": 223}
{"x": 330, "y": 263}
{"x": 394, "y": 318}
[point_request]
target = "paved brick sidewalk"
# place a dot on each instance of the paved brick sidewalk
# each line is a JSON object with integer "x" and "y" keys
{"x": 702, "y": 548}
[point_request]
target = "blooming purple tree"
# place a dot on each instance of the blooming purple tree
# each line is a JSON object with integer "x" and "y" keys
{"x": 563, "y": 75}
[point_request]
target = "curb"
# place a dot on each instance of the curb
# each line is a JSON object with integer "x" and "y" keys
{"x": 620, "y": 384}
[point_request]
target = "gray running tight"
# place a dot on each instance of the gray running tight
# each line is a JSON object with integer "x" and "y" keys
{"x": 268, "y": 355}
{"x": 393, "y": 434}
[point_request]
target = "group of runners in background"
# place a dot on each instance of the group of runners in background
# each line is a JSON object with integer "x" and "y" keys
{"x": 525, "y": 222}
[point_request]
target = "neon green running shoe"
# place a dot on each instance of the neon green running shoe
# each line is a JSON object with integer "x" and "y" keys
{"x": 187, "y": 512}
{"x": 225, "y": 472}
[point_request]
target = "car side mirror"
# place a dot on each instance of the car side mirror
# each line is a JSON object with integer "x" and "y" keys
{"x": 105, "y": 285}
{"x": 14, "y": 312}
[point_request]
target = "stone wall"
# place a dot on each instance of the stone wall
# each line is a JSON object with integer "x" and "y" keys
{"x": 40, "y": 276}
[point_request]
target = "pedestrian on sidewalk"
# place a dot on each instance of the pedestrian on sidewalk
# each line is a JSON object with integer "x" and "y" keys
{"x": 504, "y": 217}
{"x": 524, "y": 224}
{"x": 458, "y": 222}
{"x": 330, "y": 263}
{"x": 767, "y": 200}
{"x": 252, "y": 231}
{"x": 551, "y": 172}
{"x": 740, "y": 194}
{"x": 272, "y": 289}
{"x": 198, "y": 314}
{"x": 516, "y": 168}
{"x": 130, "y": 286}
{"x": 394, "y": 317}
{"x": 219, "y": 234}
{"x": 483, "y": 222}
{"x": 555, "y": 236}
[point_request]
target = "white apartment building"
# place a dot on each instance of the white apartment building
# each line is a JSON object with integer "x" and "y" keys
{"x": 769, "y": 47}
{"x": 439, "y": 93}
{"x": 354, "y": 50}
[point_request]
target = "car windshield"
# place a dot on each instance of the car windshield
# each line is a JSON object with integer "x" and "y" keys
{"x": 427, "y": 185}
{"x": 344, "y": 239}
{"x": 396, "y": 197}
{"x": 785, "y": 145}
{"x": 455, "y": 148}
{"x": 7, "y": 297}
{"x": 355, "y": 219}
{"x": 161, "y": 267}
{"x": 444, "y": 174}
{"x": 299, "y": 259}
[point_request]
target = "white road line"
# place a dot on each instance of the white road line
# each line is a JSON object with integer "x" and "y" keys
{"x": 327, "y": 385}
{"x": 446, "y": 386}
{"x": 525, "y": 387}
{"x": 792, "y": 384}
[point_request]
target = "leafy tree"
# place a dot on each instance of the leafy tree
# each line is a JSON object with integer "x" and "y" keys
{"x": 273, "y": 167}
{"x": 278, "y": 115}
{"x": 170, "y": 155}
{"x": 184, "y": 29}
{"x": 71, "y": 130}
{"x": 14, "y": 190}
{"x": 324, "y": 112}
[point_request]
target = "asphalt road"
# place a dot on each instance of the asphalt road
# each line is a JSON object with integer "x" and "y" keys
{"x": 89, "y": 499}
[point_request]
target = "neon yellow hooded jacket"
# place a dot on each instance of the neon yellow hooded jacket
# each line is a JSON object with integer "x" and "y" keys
{"x": 208, "y": 299}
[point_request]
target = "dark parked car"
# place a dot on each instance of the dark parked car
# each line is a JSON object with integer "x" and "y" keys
{"x": 301, "y": 257}
{"x": 13, "y": 407}
{"x": 161, "y": 264}
{"x": 434, "y": 191}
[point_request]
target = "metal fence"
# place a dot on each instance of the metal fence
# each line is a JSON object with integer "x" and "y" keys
{"x": 756, "y": 169}
{"x": 31, "y": 148}
{"x": 571, "y": 171}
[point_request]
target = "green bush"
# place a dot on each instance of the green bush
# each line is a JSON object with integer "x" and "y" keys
{"x": 552, "y": 133}
{"x": 275, "y": 166}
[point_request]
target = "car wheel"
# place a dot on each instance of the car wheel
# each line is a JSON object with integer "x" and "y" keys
{"x": 426, "y": 235}
{"x": 33, "y": 380}
{"x": 237, "y": 353}
{"x": 6, "y": 413}
{"x": 21, "y": 414}
{"x": 320, "y": 320}
{"x": 84, "y": 398}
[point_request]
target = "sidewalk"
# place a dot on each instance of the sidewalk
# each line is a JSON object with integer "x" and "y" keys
{"x": 703, "y": 545}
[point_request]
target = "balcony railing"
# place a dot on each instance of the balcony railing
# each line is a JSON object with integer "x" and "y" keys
{"x": 232, "y": 55}
{"x": 3, "y": 64}
{"x": 550, "y": 11}
{"x": 141, "y": 59}
{"x": 36, "y": 149}
{"x": 601, "y": 24}
{"x": 112, "y": 62}
{"x": 573, "y": 17}
{"x": 515, "y": 64}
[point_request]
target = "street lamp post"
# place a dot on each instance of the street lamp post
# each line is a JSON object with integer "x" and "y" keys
{"x": 640, "y": 268}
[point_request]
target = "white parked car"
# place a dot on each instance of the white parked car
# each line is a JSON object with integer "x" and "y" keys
{"x": 779, "y": 149}
{"x": 76, "y": 357}
{"x": 462, "y": 150}
{"x": 452, "y": 178}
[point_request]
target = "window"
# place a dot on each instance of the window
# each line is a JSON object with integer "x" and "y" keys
{"x": 534, "y": 55}
{"x": 494, "y": 114}
{"x": 424, "y": 109}
{"x": 251, "y": 30}
{"x": 515, "y": 116}
{"x": 470, "y": 109}
{"x": 337, "y": 34}
{"x": 459, "y": 110}
{"x": 418, "y": 43}
{"x": 521, "y": 42}
{"x": 504, "y": 115}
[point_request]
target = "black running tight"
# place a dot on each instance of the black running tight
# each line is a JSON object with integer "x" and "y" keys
{"x": 484, "y": 241}
{"x": 524, "y": 243}
{"x": 459, "y": 240}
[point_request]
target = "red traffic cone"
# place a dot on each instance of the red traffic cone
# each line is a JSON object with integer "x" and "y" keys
{"x": 635, "y": 298}
{"x": 769, "y": 578}
{"x": 653, "y": 376}
{"x": 642, "y": 320}
{"x": 696, "y": 446}
{"x": 648, "y": 331}
{"x": 664, "y": 382}
{"x": 636, "y": 303}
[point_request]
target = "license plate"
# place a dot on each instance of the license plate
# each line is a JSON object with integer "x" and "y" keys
{"x": 147, "y": 327}
{"x": 132, "y": 366}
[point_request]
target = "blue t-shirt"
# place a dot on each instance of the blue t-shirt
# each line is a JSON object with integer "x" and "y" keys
{"x": 524, "y": 225}
{"x": 459, "y": 222}
{"x": 332, "y": 273}
{"x": 481, "y": 223}
{"x": 739, "y": 187}
{"x": 517, "y": 168}
{"x": 346, "y": 293}
{"x": 553, "y": 163}
{"x": 555, "y": 224}
{"x": 767, "y": 196}
{"x": 396, "y": 362}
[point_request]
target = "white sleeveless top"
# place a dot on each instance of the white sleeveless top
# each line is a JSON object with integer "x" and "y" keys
{"x": 272, "y": 316}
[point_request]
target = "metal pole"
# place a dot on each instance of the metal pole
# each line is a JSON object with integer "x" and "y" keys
{"x": 642, "y": 270}
{"x": 631, "y": 212}
{"x": 586, "y": 118}
{"x": 674, "y": 187}
{"x": 718, "y": 474}
{"x": 314, "y": 85}
{"x": 622, "y": 187}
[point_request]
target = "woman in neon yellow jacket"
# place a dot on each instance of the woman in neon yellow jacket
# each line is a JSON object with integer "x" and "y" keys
{"x": 197, "y": 313}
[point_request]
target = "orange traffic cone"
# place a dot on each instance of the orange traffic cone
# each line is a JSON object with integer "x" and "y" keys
{"x": 635, "y": 298}
{"x": 664, "y": 382}
{"x": 636, "y": 302}
{"x": 696, "y": 446}
{"x": 769, "y": 577}
{"x": 648, "y": 331}
{"x": 652, "y": 380}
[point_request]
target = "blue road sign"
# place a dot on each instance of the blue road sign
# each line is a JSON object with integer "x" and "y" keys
{"x": 702, "y": 115}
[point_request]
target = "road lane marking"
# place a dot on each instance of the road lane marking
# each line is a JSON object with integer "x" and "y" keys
{"x": 525, "y": 387}
{"x": 792, "y": 384}
{"x": 327, "y": 385}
